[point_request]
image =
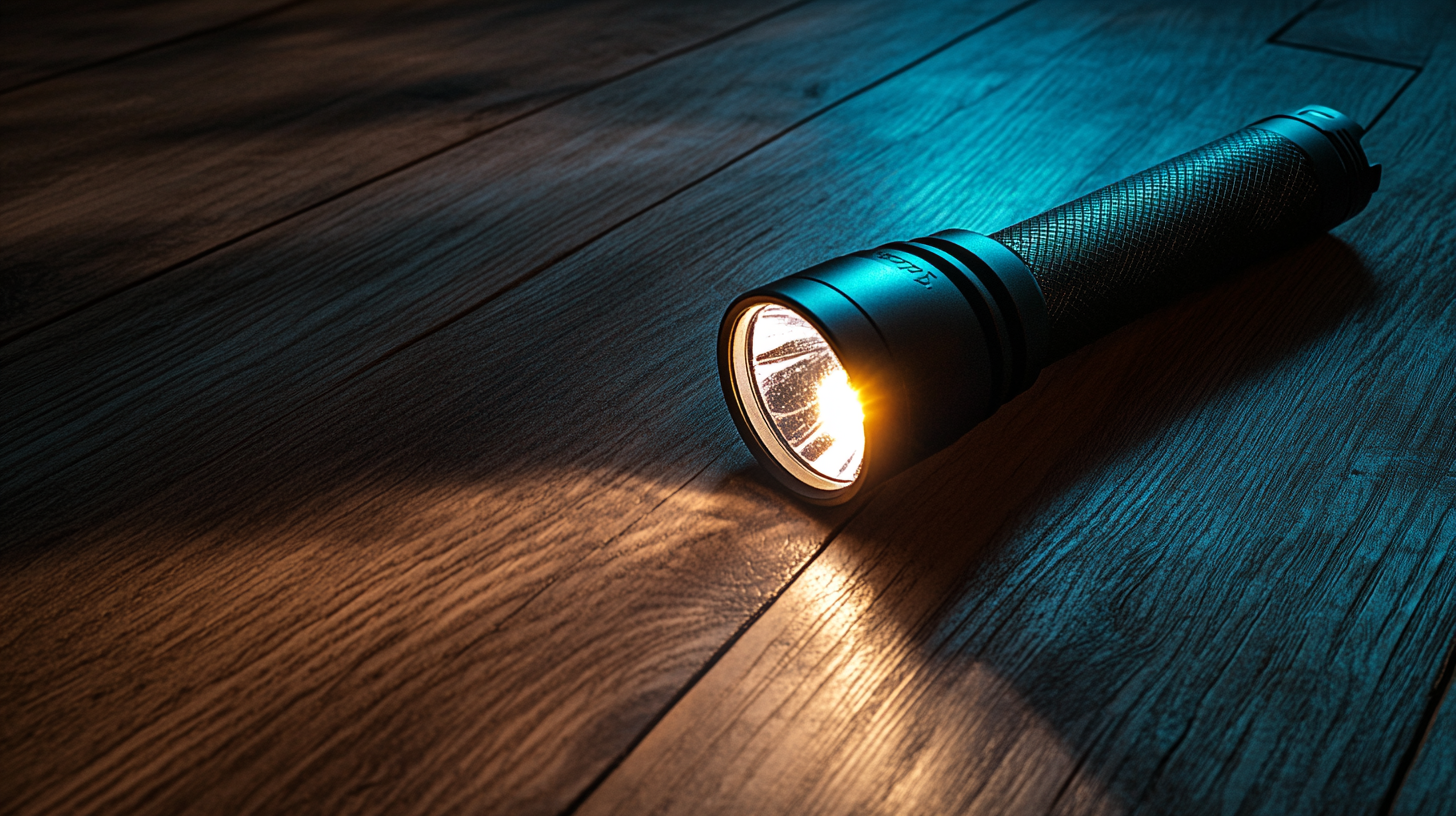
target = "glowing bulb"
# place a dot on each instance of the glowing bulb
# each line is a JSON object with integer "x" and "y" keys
{"x": 840, "y": 416}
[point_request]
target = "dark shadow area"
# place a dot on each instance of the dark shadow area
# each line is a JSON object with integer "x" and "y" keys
{"x": 42, "y": 41}
{"x": 132, "y": 170}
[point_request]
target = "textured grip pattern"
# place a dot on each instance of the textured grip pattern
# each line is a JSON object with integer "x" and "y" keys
{"x": 1117, "y": 253}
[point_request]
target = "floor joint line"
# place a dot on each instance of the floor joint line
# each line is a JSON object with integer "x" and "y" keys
{"x": 1293, "y": 21}
{"x": 1335, "y": 52}
{"x": 1410, "y": 79}
{"x": 156, "y": 46}
{"x": 1440, "y": 691}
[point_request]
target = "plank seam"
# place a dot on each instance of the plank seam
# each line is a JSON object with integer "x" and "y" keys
{"x": 1395, "y": 96}
{"x": 720, "y": 652}
{"x": 1335, "y": 52}
{"x": 156, "y": 46}
{"x": 1439, "y": 692}
{"x": 1293, "y": 21}
{"x": 418, "y": 160}
{"x": 1277, "y": 38}
{"x": 763, "y": 608}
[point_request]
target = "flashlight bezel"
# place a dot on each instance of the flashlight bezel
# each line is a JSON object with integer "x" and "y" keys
{"x": 933, "y": 334}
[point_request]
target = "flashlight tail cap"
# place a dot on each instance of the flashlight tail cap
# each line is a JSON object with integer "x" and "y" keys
{"x": 1331, "y": 140}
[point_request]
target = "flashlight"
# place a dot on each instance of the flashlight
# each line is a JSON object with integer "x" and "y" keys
{"x": 850, "y": 371}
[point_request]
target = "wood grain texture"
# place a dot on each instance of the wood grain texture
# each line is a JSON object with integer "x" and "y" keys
{"x": 116, "y": 174}
{"x": 1412, "y": 127}
{"x": 1203, "y": 566}
{"x": 517, "y": 704}
{"x": 43, "y": 38}
{"x": 468, "y": 575}
{"x": 1401, "y": 31}
{"x": 108, "y": 407}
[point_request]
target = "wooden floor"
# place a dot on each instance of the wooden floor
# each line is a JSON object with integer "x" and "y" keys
{"x": 363, "y": 449}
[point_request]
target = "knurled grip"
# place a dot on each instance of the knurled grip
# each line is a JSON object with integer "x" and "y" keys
{"x": 1121, "y": 251}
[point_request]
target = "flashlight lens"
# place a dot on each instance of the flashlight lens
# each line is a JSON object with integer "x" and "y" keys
{"x": 805, "y": 393}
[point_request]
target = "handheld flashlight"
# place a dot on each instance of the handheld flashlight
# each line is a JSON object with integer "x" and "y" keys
{"x": 850, "y": 371}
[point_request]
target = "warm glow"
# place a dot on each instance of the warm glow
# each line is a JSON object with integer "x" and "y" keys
{"x": 840, "y": 414}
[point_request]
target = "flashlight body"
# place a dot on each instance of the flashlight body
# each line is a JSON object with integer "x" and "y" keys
{"x": 938, "y": 332}
{"x": 1117, "y": 253}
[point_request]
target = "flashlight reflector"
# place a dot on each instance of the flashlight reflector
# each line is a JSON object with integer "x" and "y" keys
{"x": 803, "y": 406}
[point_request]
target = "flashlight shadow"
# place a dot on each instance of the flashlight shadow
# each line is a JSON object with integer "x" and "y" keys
{"x": 1079, "y": 545}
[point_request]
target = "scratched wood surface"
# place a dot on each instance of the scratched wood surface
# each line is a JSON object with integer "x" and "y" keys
{"x": 422, "y": 500}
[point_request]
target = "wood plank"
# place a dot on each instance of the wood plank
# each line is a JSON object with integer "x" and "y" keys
{"x": 1203, "y": 566}
{"x": 1397, "y": 31}
{"x": 42, "y": 38}
{"x": 114, "y": 404}
{"x": 558, "y": 518}
{"x": 118, "y": 174}
{"x": 1426, "y": 788}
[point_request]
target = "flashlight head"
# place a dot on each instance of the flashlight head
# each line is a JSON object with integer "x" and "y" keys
{"x": 848, "y": 372}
